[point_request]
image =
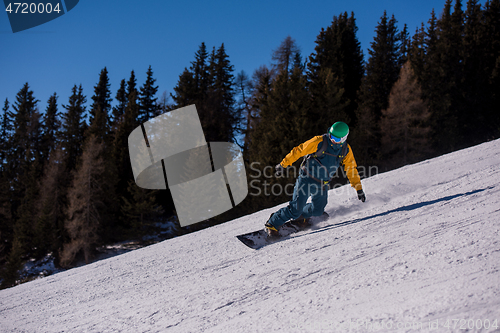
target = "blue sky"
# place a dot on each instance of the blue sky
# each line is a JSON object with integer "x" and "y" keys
{"x": 130, "y": 35}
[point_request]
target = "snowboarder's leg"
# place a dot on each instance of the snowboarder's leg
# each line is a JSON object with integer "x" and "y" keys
{"x": 318, "y": 201}
{"x": 295, "y": 206}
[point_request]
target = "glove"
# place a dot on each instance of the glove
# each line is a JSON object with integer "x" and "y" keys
{"x": 361, "y": 195}
{"x": 280, "y": 171}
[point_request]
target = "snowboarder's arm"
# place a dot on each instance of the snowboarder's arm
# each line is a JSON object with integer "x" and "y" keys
{"x": 350, "y": 168}
{"x": 308, "y": 147}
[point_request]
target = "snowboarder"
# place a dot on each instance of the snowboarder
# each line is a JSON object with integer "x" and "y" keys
{"x": 323, "y": 156}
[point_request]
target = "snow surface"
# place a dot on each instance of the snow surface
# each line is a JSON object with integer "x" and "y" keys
{"x": 424, "y": 249}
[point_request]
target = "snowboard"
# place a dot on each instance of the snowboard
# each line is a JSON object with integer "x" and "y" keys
{"x": 260, "y": 238}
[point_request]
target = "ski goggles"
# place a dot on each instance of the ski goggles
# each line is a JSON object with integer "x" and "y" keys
{"x": 338, "y": 140}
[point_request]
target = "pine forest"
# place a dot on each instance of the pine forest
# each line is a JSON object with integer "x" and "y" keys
{"x": 66, "y": 183}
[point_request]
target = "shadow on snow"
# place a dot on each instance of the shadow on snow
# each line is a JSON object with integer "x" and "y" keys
{"x": 400, "y": 209}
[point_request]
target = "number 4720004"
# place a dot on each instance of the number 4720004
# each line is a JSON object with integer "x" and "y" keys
{"x": 471, "y": 324}
{"x": 32, "y": 8}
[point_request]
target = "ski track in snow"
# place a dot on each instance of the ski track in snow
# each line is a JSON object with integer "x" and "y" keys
{"x": 424, "y": 247}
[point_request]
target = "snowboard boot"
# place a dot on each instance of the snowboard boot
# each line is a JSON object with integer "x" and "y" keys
{"x": 270, "y": 229}
{"x": 302, "y": 222}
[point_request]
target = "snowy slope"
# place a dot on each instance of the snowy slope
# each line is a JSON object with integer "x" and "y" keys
{"x": 423, "y": 249}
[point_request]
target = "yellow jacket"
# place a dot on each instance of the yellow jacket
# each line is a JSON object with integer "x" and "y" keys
{"x": 311, "y": 146}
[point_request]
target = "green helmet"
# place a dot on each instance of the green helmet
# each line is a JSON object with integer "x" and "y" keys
{"x": 338, "y": 132}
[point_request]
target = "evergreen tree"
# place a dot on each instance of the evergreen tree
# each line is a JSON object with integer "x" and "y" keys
{"x": 328, "y": 104}
{"x": 417, "y": 52}
{"x": 339, "y": 51}
{"x": 132, "y": 98}
{"x": 424, "y": 66}
{"x": 493, "y": 114}
{"x": 404, "y": 46}
{"x": 200, "y": 71}
{"x": 445, "y": 76}
{"x": 382, "y": 71}
{"x": 6, "y": 227}
{"x": 51, "y": 126}
{"x": 491, "y": 54}
{"x": 305, "y": 124}
{"x": 284, "y": 121}
{"x": 99, "y": 130}
{"x": 141, "y": 208}
{"x": 219, "y": 118}
{"x": 22, "y": 140}
{"x": 27, "y": 188}
{"x": 131, "y": 88}
{"x": 273, "y": 137}
{"x": 100, "y": 108}
{"x": 429, "y": 73}
{"x": 147, "y": 98}
{"x": 5, "y": 132}
{"x": 262, "y": 79}
{"x": 431, "y": 35}
{"x": 73, "y": 127}
{"x": 209, "y": 85}
{"x": 474, "y": 78}
{"x": 457, "y": 56}
{"x": 5, "y": 204}
{"x": 298, "y": 62}
{"x": 382, "y": 68}
{"x": 120, "y": 152}
{"x": 185, "y": 90}
{"x": 24, "y": 144}
{"x": 192, "y": 87}
{"x": 119, "y": 109}
{"x": 23, "y": 227}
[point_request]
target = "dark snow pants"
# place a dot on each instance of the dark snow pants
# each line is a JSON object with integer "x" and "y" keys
{"x": 305, "y": 187}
